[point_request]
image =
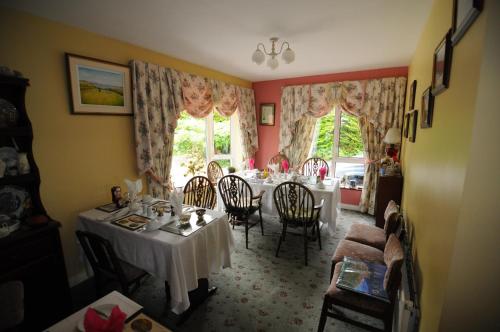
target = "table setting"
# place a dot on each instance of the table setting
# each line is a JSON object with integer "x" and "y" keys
{"x": 177, "y": 243}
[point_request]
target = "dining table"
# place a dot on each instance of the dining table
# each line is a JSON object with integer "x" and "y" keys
{"x": 329, "y": 192}
{"x": 171, "y": 256}
{"x": 132, "y": 310}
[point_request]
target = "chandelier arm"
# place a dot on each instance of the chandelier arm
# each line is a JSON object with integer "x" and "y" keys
{"x": 263, "y": 48}
{"x": 282, "y": 45}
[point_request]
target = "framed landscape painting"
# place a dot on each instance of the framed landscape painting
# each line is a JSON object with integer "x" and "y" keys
{"x": 98, "y": 87}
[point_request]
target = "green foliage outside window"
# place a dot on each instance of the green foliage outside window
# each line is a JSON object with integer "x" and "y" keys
{"x": 350, "y": 145}
{"x": 222, "y": 134}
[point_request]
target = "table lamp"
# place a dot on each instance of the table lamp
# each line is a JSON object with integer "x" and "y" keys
{"x": 393, "y": 137}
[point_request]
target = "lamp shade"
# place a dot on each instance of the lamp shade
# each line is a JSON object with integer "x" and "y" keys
{"x": 393, "y": 136}
{"x": 288, "y": 55}
{"x": 258, "y": 56}
{"x": 273, "y": 63}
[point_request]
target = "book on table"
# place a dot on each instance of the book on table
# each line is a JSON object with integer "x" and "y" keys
{"x": 363, "y": 277}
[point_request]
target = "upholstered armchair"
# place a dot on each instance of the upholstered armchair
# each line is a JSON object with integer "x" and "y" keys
{"x": 335, "y": 297}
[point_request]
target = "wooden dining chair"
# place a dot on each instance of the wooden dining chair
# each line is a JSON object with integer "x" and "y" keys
{"x": 278, "y": 159}
{"x": 214, "y": 172}
{"x": 240, "y": 202}
{"x": 335, "y": 297}
{"x": 200, "y": 192}
{"x": 311, "y": 166}
{"x": 107, "y": 266}
{"x": 296, "y": 208}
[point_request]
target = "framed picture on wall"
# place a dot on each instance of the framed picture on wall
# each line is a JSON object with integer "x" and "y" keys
{"x": 465, "y": 13}
{"x": 441, "y": 65}
{"x": 413, "y": 91}
{"x": 98, "y": 87}
{"x": 412, "y": 131}
{"x": 406, "y": 125}
{"x": 427, "y": 109}
{"x": 267, "y": 114}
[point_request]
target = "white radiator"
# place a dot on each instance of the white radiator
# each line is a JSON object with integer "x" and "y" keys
{"x": 406, "y": 312}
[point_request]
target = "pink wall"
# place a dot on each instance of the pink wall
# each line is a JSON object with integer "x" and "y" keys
{"x": 270, "y": 92}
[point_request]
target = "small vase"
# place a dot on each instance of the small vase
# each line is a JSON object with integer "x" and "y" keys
{"x": 320, "y": 184}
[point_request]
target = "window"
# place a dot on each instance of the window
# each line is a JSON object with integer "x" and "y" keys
{"x": 342, "y": 149}
{"x": 198, "y": 141}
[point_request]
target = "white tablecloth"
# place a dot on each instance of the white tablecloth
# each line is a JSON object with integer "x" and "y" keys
{"x": 177, "y": 259}
{"x": 329, "y": 212}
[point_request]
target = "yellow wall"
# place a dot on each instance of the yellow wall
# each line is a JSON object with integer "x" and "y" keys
{"x": 472, "y": 296}
{"x": 436, "y": 165}
{"x": 80, "y": 156}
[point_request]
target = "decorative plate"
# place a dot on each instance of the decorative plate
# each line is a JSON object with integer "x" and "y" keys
{"x": 8, "y": 114}
{"x": 9, "y": 156}
{"x": 14, "y": 201}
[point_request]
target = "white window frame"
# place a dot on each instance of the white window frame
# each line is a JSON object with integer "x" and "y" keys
{"x": 235, "y": 154}
{"x": 336, "y": 144}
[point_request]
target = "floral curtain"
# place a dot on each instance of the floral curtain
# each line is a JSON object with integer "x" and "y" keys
{"x": 155, "y": 117}
{"x": 377, "y": 103}
{"x": 248, "y": 122}
{"x": 160, "y": 95}
{"x": 197, "y": 95}
{"x": 383, "y": 108}
{"x": 296, "y": 129}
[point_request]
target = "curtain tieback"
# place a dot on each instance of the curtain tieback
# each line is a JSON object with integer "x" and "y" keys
{"x": 162, "y": 182}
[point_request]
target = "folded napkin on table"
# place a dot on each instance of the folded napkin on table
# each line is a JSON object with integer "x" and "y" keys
{"x": 176, "y": 200}
{"x": 95, "y": 323}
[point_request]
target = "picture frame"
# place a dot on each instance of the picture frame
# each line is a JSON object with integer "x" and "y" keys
{"x": 98, "y": 87}
{"x": 406, "y": 125}
{"x": 441, "y": 65}
{"x": 465, "y": 13}
{"x": 412, "y": 131}
{"x": 413, "y": 91}
{"x": 427, "y": 109}
{"x": 267, "y": 114}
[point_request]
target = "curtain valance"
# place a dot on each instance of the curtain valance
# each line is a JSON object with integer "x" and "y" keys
{"x": 161, "y": 94}
{"x": 378, "y": 104}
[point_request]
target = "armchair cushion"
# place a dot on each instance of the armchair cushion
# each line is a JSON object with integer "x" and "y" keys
{"x": 366, "y": 234}
{"x": 357, "y": 250}
{"x": 354, "y": 300}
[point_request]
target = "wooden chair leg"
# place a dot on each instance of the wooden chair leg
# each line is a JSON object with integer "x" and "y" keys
{"x": 319, "y": 234}
{"x": 167, "y": 291}
{"x": 322, "y": 318}
{"x": 305, "y": 243}
{"x": 246, "y": 233}
{"x": 281, "y": 238}
{"x": 261, "y": 223}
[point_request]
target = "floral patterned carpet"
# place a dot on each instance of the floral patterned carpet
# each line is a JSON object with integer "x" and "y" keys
{"x": 262, "y": 292}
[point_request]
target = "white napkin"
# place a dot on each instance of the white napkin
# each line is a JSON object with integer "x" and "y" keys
{"x": 274, "y": 167}
{"x": 176, "y": 199}
{"x": 134, "y": 187}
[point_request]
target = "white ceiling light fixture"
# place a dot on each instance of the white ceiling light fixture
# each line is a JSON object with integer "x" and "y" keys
{"x": 260, "y": 54}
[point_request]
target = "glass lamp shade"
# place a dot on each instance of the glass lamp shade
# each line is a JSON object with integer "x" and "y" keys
{"x": 273, "y": 63}
{"x": 393, "y": 136}
{"x": 288, "y": 55}
{"x": 258, "y": 57}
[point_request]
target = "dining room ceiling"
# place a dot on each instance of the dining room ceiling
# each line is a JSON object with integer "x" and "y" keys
{"x": 328, "y": 36}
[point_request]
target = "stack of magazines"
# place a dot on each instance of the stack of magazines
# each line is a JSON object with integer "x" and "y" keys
{"x": 363, "y": 277}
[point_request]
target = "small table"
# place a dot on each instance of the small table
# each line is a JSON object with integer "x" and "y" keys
{"x": 126, "y": 305}
{"x": 331, "y": 195}
{"x": 181, "y": 261}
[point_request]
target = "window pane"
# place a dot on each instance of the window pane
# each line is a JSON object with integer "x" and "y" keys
{"x": 222, "y": 134}
{"x": 224, "y": 163}
{"x": 349, "y": 172}
{"x": 323, "y": 139}
{"x": 189, "y": 149}
{"x": 351, "y": 144}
